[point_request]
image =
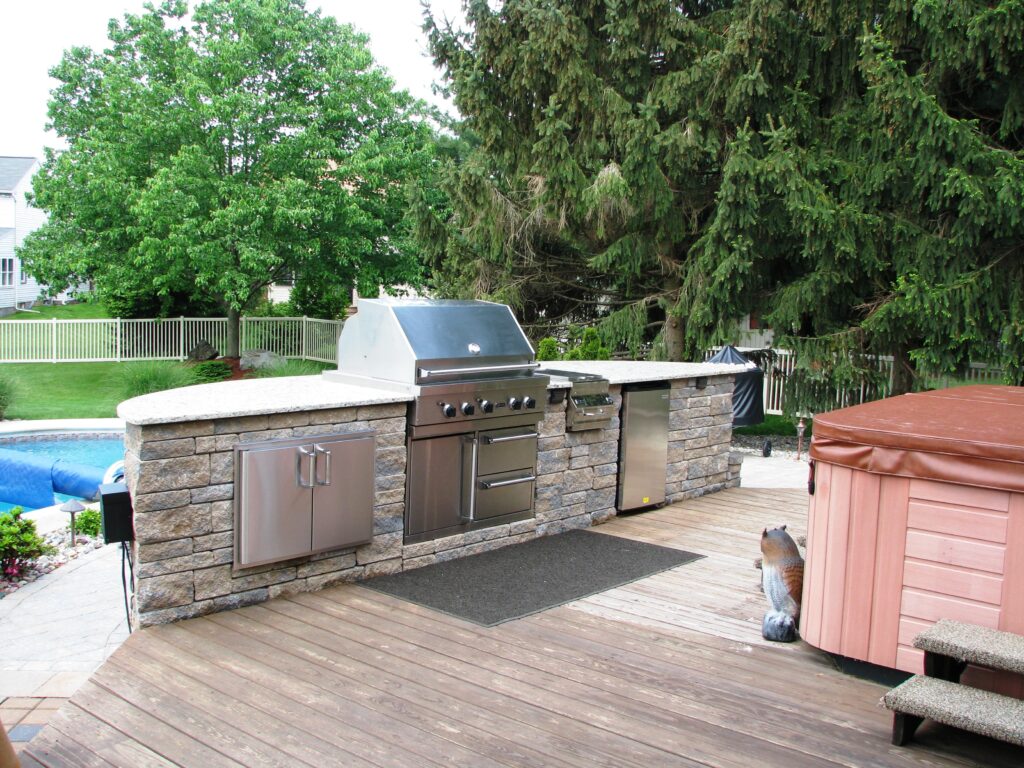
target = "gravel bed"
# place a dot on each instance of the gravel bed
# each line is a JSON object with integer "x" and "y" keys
{"x": 60, "y": 540}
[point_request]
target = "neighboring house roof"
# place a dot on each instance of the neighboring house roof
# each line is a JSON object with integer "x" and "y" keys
{"x": 13, "y": 170}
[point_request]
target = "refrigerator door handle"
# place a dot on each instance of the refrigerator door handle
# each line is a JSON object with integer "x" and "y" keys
{"x": 310, "y": 451}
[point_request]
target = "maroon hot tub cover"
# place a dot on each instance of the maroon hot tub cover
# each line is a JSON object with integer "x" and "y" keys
{"x": 972, "y": 435}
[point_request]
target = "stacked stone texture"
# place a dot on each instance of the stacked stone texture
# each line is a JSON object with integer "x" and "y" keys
{"x": 181, "y": 478}
{"x": 699, "y": 438}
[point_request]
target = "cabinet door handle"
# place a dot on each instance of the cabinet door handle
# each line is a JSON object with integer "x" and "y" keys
{"x": 488, "y": 484}
{"x": 310, "y": 451}
{"x": 326, "y": 453}
{"x": 509, "y": 438}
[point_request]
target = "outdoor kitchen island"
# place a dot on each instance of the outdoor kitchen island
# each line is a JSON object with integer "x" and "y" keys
{"x": 181, "y": 449}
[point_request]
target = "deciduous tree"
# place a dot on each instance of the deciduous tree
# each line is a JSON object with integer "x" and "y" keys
{"x": 214, "y": 154}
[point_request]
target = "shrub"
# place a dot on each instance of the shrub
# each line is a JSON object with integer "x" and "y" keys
{"x": 292, "y": 368}
{"x": 580, "y": 344}
{"x": 143, "y": 378}
{"x": 6, "y": 394}
{"x": 19, "y": 544}
{"x": 87, "y": 522}
{"x": 210, "y": 371}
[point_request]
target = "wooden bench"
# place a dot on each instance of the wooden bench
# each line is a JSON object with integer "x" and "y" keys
{"x": 949, "y": 646}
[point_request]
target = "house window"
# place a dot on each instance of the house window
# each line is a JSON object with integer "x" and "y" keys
{"x": 6, "y": 271}
{"x": 756, "y": 324}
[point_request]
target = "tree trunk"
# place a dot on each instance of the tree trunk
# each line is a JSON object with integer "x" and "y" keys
{"x": 234, "y": 321}
{"x": 903, "y": 373}
{"x": 674, "y": 340}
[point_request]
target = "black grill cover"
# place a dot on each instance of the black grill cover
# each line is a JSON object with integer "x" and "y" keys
{"x": 748, "y": 395}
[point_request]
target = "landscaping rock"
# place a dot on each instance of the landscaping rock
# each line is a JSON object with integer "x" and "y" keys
{"x": 204, "y": 350}
{"x": 258, "y": 359}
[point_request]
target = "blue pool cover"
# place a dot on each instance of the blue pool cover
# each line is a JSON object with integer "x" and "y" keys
{"x": 30, "y": 480}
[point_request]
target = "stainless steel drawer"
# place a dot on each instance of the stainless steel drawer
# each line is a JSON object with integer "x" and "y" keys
{"x": 504, "y": 493}
{"x": 506, "y": 449}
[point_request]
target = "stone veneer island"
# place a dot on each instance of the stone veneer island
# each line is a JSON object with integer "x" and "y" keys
{"x": 179, "y": 462}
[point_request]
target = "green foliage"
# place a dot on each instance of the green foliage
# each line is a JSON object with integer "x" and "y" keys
{"x": 292, "y": 368}
{"x": 19, "y": 544}
{"x": 776, "y": 425}
{"x": 143, "y": 378}
{"x": 548, "y": 349}
{"x": 581, "y": 344}
{"x": 210, "y": 371}
{"x": 8, "y": 391}
{"x": 87, "y": 522}
{"x": 210, "y": 155}
{"x": 854, "y": 172}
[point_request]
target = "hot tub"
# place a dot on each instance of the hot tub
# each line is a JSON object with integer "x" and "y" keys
{"x": 917, "y": 515}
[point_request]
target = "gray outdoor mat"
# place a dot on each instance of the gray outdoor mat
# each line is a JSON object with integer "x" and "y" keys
{"x": 521, "y": 579}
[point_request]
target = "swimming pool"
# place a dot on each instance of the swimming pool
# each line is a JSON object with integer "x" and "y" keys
{"x": 92, "y": 449}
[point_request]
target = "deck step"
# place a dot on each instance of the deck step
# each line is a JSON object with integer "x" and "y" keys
{"x": 974, "y": 644}
{"x": 972, "y": 709}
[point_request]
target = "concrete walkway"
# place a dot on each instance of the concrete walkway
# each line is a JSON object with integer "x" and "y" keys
{"x": 773, "y": 472}
{"x": 58, "y": 630}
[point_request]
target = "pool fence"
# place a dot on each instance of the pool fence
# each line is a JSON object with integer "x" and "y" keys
{"x": 302, "y": 338}
{"x": 171, "y": 338}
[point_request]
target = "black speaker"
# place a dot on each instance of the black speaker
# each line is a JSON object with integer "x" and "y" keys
{"x": 116, "y": 513}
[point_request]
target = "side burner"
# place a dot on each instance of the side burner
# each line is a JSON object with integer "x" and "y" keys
{"x": 590, "y": 406}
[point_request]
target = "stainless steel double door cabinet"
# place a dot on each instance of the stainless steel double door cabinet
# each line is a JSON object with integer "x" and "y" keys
{"x": 299, "y": 496}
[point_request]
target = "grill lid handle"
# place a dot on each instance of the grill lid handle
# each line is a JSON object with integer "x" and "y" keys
{"x": 426, "y": 373}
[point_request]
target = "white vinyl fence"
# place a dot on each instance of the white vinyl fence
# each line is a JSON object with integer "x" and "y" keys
{"x": 67, "y": 341}
{"x": 782, "y": 366}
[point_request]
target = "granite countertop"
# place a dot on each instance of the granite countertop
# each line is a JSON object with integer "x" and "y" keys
{"x": 633, "y": 371}
{"x": 251, "y": 397}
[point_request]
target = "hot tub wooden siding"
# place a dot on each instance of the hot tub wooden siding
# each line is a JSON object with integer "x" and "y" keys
{"x": 888, "y": 556}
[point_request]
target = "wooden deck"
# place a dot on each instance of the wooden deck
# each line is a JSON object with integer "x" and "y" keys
{"x": 667, "y": 671}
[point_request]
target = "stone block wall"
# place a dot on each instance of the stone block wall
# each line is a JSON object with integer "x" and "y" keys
{"x": 699, "y": 439}
{"x": 181, "y": 480}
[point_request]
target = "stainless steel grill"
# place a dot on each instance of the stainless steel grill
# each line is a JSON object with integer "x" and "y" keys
{"x": 477, "y": 399}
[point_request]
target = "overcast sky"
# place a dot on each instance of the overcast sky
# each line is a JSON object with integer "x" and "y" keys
{"x": 35, "y": 33}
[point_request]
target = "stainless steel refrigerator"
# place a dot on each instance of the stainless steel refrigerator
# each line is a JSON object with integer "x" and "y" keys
{"x": 643, "y": 445}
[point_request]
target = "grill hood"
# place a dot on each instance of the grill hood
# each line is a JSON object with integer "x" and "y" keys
{"x": 411, "y": 342}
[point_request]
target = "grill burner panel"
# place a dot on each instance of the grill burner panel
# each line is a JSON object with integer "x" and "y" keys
{"x": 477, "y": 401}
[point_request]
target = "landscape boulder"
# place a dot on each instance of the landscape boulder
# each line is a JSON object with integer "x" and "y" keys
{"x": 258, "y": 359}
{"x": 203, "y": 351}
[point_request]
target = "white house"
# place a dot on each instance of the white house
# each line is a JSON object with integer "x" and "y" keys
{"x": 17, "y": 219}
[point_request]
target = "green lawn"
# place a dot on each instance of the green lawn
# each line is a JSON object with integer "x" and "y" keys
{"x": 82, "y": 311}
{"x": 64, "y": 390}
{"x": 93, "y": 390}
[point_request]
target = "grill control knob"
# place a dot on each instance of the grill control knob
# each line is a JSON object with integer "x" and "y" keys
{"x": 448, "y": 410}
{"x": 468, "y": 409}
{"x": 529, "y": 402}
{"x": 487, "y": 406}
{"x": 515, "y": 403}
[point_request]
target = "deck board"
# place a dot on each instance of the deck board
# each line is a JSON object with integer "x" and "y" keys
{"x": 670, "y": 670}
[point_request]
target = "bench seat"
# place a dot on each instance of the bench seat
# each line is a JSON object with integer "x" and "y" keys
{"x": 972, "y": 709}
